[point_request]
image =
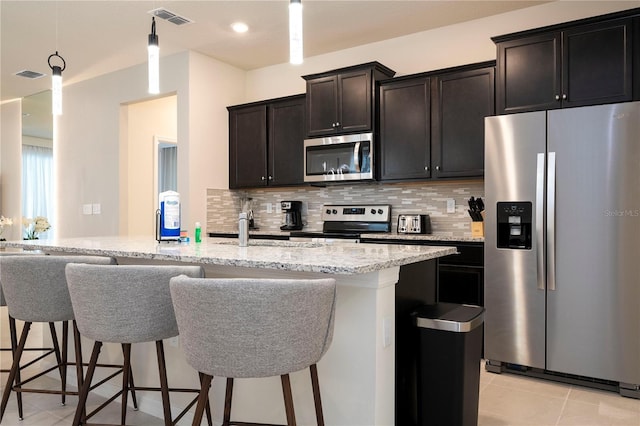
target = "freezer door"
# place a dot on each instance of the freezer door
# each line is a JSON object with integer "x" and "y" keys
{"x": 594, "y": 312}
{"x": 514, "y": 278}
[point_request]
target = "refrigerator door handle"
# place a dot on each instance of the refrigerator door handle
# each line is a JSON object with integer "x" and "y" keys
{"x": 551, "y": 222}
{"x": 540, "y": 221}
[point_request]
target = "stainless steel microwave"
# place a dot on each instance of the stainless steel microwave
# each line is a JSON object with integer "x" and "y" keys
{"x": 339, "y": 158}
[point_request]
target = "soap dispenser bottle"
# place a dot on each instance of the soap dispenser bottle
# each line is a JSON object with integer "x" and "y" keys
{"x": 243, "y": 230}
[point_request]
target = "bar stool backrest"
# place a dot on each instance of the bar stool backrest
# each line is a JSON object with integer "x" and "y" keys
{"x": 3, "y": 302}
{"x": 35, "y": 287}
{"x": 254, "y": 327}
{"x": 125, "y": 303}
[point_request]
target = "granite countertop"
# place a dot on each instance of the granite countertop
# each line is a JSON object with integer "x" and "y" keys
{"x": 230, "y": 232}
{"x": 342, "y": 258}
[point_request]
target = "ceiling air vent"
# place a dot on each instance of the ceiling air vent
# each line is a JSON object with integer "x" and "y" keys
{"x": 29, "y": 74}
{"x": 170, "y": 16}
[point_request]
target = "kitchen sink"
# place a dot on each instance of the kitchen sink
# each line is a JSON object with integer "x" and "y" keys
{"x": 270, "y": 243}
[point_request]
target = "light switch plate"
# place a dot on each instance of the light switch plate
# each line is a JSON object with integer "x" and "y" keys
{"x": 451, "y": 205}
{"x": 86, "y": 209}
{"x": 95, "y": 208}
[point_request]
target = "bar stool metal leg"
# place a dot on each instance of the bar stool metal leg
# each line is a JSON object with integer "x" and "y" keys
{"x": 313, "y": 368}
{"x": 15, "y": 370}
{"x": 132, "y": 386}
{"x": 65, "y": 357}
{"x": 208, "y": 406}
{"x": 288, "y": 400}
{"x": 14, "y": 345}
{"x": 82, "y": 399}
{"x": 164, "y": 385}
{"x": 228, "y": 396}
{"x": 126, "y": 371}
{"x": 203, "y": 400}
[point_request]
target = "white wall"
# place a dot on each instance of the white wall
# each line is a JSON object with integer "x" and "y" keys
{"x": 11, "y": 166}
{"x": 94, "y": 168}
{"x": 145, "y": 120}
{"x": 213, "y": 85}
{"x": 454, "y": 45}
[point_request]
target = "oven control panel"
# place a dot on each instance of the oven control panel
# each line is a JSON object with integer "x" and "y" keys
{"x": 356, "y": 213}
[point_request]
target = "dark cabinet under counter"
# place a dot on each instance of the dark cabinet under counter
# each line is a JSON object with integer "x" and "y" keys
{"x": 460, "y": 277}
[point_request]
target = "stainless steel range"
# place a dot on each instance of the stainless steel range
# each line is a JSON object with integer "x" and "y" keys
{"x": 348, "y": 222}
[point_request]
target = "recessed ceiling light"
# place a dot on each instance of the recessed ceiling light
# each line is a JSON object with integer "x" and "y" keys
{"x": 240, "y": 27}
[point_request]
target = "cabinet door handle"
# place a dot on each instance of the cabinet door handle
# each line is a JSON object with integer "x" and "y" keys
{"x": 564, "y": 96}
{"x": 262, "y": 178}
{"x": 438, "y": 168}
{"x": 338, "y": 124}
{"x": 270, "y": 177}
{"x": 557, "y": 97}
{"x": 426, "y": 168}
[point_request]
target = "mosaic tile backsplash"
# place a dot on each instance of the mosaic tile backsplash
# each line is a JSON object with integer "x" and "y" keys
{"x": 430, "y": 198}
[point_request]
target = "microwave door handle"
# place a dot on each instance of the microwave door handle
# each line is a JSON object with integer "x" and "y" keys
{"x": 356, "y": 156}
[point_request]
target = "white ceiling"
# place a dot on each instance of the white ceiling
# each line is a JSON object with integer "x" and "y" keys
{"x": 98, "y": 37}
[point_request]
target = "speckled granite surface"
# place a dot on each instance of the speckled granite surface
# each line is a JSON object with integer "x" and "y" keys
{"x": 344, "y": 258}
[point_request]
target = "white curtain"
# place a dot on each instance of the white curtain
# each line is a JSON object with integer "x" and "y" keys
{"x": 37, "y": 182}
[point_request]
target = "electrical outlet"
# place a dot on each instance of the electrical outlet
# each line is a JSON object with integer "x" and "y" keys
{"x": 269, "y": 208}
{"x": 451, "y": 205}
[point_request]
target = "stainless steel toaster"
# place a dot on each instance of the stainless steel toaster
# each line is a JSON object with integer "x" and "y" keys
{"x": 414, "y": 224}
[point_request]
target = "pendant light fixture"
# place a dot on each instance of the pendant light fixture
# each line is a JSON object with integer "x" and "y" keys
{"x": 153, "y": 51}
{"x": 56, "y": 84}
{"x": 295, "y": 31}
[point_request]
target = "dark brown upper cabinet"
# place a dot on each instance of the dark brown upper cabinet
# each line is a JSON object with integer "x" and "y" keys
{"x": 343, "y": 101}
{"x": 405, "y": 129}
{"x": 432, "y": 124}
{"x": 460, "y": 102}
{"x": 266, "y": 143}
{"x": 585, "y": 62}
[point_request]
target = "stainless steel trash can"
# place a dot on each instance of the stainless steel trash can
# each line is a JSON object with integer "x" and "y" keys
{"x": 450, "y": 348}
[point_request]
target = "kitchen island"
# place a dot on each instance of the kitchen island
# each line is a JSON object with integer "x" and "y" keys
{"x": 357, "y": 372}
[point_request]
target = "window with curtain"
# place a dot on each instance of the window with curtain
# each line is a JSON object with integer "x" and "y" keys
{"x": 37, "y": 181}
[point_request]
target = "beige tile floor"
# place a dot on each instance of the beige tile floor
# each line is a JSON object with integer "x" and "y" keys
{"x": 505, "y": 399}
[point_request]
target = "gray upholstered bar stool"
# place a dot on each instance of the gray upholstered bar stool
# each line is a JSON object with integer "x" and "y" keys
{"x": 251, "y": 328}
{"x": 126, "y": 304}
{"x": 13, "y": 333}
{"x": 35, "y": 290}
{"x": 12, "y": 321}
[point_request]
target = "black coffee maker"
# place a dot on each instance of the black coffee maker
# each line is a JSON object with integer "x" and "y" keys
{"x": 291, "y": 215}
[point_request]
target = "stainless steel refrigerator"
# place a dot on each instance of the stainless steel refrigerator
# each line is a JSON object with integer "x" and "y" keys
{"x": 562, "y": 242}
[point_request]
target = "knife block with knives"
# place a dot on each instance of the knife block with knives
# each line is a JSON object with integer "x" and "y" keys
{"x": 476, "y": 211}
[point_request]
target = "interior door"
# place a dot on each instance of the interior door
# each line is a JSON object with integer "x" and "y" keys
{"x": 594, "y": 273}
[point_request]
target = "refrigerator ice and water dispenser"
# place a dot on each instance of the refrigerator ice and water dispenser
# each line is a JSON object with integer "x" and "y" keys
{"x": 514, "y": 225}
